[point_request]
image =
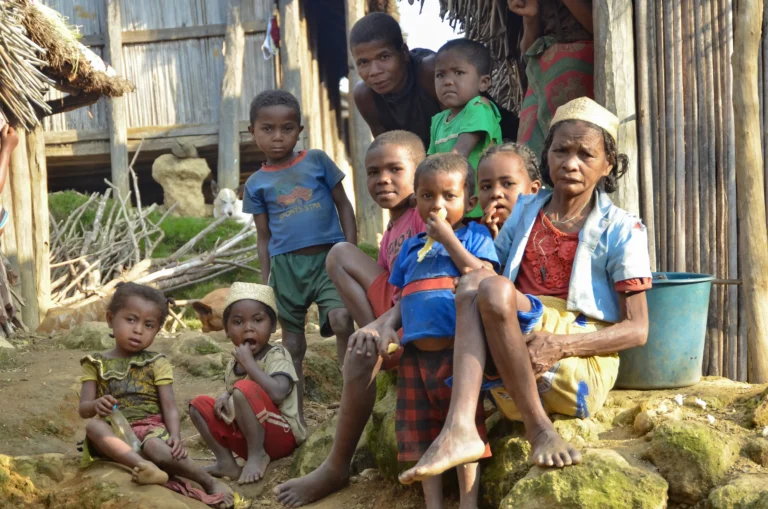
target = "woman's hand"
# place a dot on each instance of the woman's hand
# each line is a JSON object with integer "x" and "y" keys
{"x": 544, "y": 349}
{"x": 490, "y": 220}
{"x": 103, "y": 406}
{"x": 524, "y": 8}
{"x": 244, "y": 356}
{"x": 178, "y": 451}
{"x": 439, "y": 229}
{"x": 220, "y": 406}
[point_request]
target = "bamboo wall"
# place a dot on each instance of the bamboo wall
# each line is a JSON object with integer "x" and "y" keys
{"x": 177, "y": 82}
{"x": 686, "y": 123}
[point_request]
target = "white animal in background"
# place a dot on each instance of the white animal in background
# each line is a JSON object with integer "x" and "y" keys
{"x": 228, "y": 203}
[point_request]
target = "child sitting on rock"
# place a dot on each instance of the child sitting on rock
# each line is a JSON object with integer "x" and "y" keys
{"x": 301, "y": 210}
{"x": 471, "y": 122}
{"x": 139, "y": 384}
{"x": 257, "y": 416}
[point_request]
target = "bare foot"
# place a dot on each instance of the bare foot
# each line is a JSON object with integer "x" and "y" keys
{"x": 454, "y": 446}
{"x": 254, "y": 468}
{"x": 313, "y": 486}
{"x": 226, "y": 469}
{"x": 148, "y": 473}
{"x": 548, "y": 449}
{"x": 229, "y": 495}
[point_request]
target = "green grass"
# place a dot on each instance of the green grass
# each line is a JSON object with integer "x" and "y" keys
{"x": 370, "y": 250}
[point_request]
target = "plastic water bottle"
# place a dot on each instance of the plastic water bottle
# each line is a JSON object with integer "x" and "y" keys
{"x": 123, "y": 430}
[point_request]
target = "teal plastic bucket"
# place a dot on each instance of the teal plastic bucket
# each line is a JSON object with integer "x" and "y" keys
{"x": 678, "y": 305}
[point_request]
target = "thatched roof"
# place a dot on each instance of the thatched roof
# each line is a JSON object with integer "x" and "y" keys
{"x": 38, "y": 49}
{"x": 490, "y": 22}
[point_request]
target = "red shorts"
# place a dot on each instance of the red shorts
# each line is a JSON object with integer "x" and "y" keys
{"x": 279, "y": 441}
{"x": 423, "y": 399}
{"x": 380, "y": 295}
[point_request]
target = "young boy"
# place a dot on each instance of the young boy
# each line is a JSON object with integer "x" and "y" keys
{"x": 297, "y": 200}
{"x": 504, "y": 173}
{"x": 471, "y": 122}
{"x": 364, "y": 287}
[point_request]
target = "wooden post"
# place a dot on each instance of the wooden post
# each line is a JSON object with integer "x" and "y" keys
{"x": 118, "y": 129}
{"x": 615, "y": 86}
{"x": 25, "y": 248}
{"x": 753, "y": 238}
{"x": 38, "y": 172}
{"x": 228, "y": 173}
{"x": 292, "y": 46}
{"x": 370, "y": 217}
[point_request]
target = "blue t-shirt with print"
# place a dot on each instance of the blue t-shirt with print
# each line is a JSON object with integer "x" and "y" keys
{"x": 432, "y": 313}
{"x": 297, "y": 199}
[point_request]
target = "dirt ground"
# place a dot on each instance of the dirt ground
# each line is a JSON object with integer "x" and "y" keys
{"x": 38, "y": 388}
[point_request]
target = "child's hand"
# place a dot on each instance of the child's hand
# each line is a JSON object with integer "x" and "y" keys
{"x": 178, "y": 451}
{"x": 388, "y": 342}
{"x": 490, "y": 220}
{"x": 244, "y": 356}
{"x": 104, "y": 405}
{"x": 8, "y": 138}
{"x": 220, "y": 406}
{"x": 439, "y": 229}
{"x": 524, "y": 8}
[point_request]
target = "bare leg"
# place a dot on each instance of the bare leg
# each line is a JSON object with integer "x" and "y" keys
{"x": 296, "y": 344}
{"x": 352, "y": 272}
{"x": 256, "y": 464}
{"x": 469, "y": 485}
{"x": 343, "y": 327}
{"x": 357, "y": 399}
{"x": 160, "y": 454}
{"x": 101, "y": 435}
{"x": 225, "y": 465}
{"x": 496, "y": 297}
{"x": 459, "y": 442}
{"x": 433, "y": 492}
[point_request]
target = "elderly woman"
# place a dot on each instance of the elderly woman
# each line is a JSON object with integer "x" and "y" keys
{"x": 586, "y": 262}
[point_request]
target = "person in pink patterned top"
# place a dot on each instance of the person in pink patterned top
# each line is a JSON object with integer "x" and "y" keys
{"x": 364, "y": 287}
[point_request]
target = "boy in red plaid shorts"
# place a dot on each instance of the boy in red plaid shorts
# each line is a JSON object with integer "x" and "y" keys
{"x": 427, "y": 313}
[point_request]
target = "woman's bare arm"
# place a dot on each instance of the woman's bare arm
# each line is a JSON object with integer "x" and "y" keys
{"x": 582, "y": 11}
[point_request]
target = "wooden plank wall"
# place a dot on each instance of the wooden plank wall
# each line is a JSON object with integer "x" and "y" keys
{"x": 177, "y": 82}
{"x": 687, "y": 108}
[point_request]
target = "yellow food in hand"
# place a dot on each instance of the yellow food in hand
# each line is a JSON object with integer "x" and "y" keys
{"x": 428, "y": 244}
{"x": 392, "y": 348}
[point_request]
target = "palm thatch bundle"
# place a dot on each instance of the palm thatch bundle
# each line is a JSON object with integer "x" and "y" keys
{"x": 39, "y": 50}
{"x": 486, "y": 21}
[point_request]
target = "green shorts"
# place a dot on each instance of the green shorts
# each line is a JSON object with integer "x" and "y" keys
{"x": 298, "y": 281}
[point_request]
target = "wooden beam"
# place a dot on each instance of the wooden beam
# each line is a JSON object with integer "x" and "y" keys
{"x": 130, "y": 37}
{"x": 228, "y": 170}
{"x": 292, "y": 46}
{"x": 25, "y": 250}
{"x": 72, "y": 102}
{"x": 753, "y": 238}
{"x": 116, "y": 106}
{"x": 38, "y": 172}
{"x": 138, "y": 133}
{"x": 370, "y": 217}
{"x": 615, "y": 86}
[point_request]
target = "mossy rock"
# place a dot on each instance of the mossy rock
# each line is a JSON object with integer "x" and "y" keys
{"x": 604, "y": 479}
{"x": 43, "y": 469}
{"x": 692, "y": 457}
{"x": 380, "y": 431}
{"x": 322, "y": 375}
{"x": 744, "y": 492}
{"x": 199, "y": 354}
{"x": 499, "y": 474}
{"x": 317, "y": 447}
{"x": 760, "y": 417}
{"x": 757, "y": 450}
{"x": 16, "y": 489}
{"x": 91, "y": 336}
{"x": 571, "y": 427}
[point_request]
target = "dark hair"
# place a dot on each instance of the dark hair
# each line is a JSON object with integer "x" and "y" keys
{"x": 620, "y": 162}
{"x": 376, "y": 26}
{"x": 124, "y": 291}
{"x": 405, "y": 139}
{"x": 476, "y": 53}
{"x": 530, "y": 161}
{"x": 270, "y": 313}
{"x": 274, "y": 98}
{"x": 447, "y": 163}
